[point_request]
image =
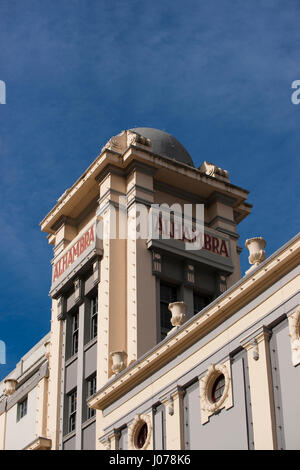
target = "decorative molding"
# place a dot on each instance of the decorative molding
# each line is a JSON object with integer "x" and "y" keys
{"x": 133, "y": 138}
{"x": 96, "y": 271}
{"x": 228, "y": 232}
{"x": 61, "y": 307}
{"x": 213, "y": 170}
{"x": 222, "y": 198}
{"x": 78, "y": 290}
{"x": 141, "y": 167}
{"x": 63, "y": 220}
{"x": 24, "y": 388}
{"x": 220, "y": 218}
{"x": 105, "y": 442}
{"x": 177, "y": 192}
{"x": 208, "y": 407}
{"x": 294, "y": 327}
{"x": 108, "y": 170}
{"x": 222, "y": 283}
{"x": 41, "y": 443}
{"x": 134, "y": 429}
{"x": 156, "y": 262}
{"x": 190, "y": 274}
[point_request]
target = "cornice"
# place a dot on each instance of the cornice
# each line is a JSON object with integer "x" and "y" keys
{"x": 133, "y": 157}
{"x": 222, "y": 308}
{"x": 41, "y": 443}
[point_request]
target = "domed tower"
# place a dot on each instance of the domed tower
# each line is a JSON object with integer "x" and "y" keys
{"x": 111, "y": 294}
{"x": 165, "y": 144}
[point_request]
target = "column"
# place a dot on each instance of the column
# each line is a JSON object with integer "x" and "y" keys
{"x": 174, "y": 420}
{"x": 261, "y": 391}
{"x": 80, "y": 365}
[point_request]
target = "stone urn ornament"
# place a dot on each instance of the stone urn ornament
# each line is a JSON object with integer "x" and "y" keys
{"x": 257, "y": 253}
{"x": 178, "y": 311}
{"x": 10, "y": 386}
{"x": 118, "y": 361}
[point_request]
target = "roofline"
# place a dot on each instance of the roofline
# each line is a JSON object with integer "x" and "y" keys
{"x": 61, "y": 200}
{"x": 228, "y": 303}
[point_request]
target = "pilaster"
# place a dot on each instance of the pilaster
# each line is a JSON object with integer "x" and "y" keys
{"x": 174, "y": 419}
{"x": 261, "y": 391}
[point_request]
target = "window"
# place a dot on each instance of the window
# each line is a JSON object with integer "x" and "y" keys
{"x": 94, "y": 317}
{"x": 22, "y": 409}
{"x": 168, "y": 294}
{"x": 72, "y": 407}
{"x": 142, "y": 436}
{"x": 75, "y": 327}
{"x": 91, "y": 389}
{"x": 218, "y": 388}
{"x": 200, "y": 301}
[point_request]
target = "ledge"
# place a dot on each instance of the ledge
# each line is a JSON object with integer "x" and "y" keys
{"x": 41, "y": 443}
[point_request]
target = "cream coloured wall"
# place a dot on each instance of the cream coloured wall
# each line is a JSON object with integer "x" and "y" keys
{"x": 259, "y": 373}
{"x": 20, "y": 434}
{"x": 54, "y": 382}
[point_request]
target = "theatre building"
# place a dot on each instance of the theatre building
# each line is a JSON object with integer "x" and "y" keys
{"x": 154, "y": 345}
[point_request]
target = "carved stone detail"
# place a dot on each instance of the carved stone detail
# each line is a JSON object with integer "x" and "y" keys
{"x": 190, "y": 274}
{"x": 136, "y": 139}
{"x": 78, "y": 287}
{"x": 118, "y": 361}
{"x": 256, "y": 247}
{"x": 10, "y": 386}
{"x": 47, "y": 345}
{"x": 96, "y": 271}
{"x": 213, "y": 170}
{"x": 208, "y": 407}
{"x": 156, "y": 262}
{"x": 117, "y": 143}
{"x": 61, "y": 308}
{"x": 178, "y": 310}
{"x": 294, "y": 327}
{"x": 134, "y": 429}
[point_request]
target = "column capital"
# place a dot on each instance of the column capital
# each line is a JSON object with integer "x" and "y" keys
{"x": 262, "y": 333}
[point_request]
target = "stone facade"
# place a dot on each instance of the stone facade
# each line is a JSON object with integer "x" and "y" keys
{"x": 152, "y": 345}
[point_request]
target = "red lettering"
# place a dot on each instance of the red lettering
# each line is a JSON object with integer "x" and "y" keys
{"x": 75, "y": 251}
{"x": 215, "y": 245}
{"x": 92, "y": 238}
{"x": 59, "y": 268}
{"x": 223, "y": 249}
{"x": 65, "y": 262}
{"x": 207, "y": 242}
{"x": 86, "y": 240}
{"x": 56, "y": 273}
{"x": 70, "y": 257}
{"x": 81, "y": 245}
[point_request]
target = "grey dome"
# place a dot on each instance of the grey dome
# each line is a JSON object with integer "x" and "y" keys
{"x": 165, "y": 144}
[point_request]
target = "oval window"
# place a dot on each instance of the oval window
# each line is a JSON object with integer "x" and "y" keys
{"x": 218, "y": 388}
{"x": 142, "y": 436}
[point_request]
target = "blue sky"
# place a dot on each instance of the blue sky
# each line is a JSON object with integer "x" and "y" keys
{"x": 217, "y": 75}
